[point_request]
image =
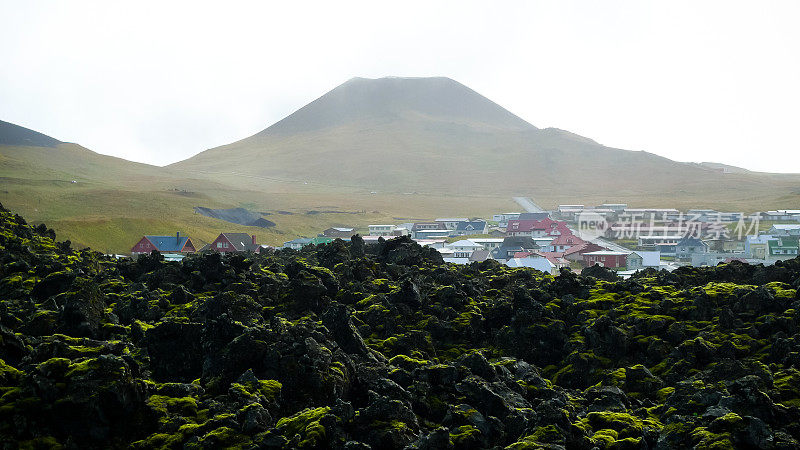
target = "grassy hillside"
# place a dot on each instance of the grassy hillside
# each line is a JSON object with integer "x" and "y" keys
{"x": 12, "y": 134}
{"x": 114, "y": 202}
{"x": 402, "y": 144}
{"x": 393, "y": 149}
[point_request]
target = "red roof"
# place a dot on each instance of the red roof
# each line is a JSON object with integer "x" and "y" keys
{"x": 554, "y": 257}
{"x": 567, "y": 239}
{"x": 521, "y": 225}
{"x": 584, "y": 248}
{"x": 546, "y": 224}
{"x": 557, "y": 258}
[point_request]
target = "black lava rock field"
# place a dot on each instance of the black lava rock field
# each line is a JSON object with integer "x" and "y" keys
{"x": 359, "y": 346}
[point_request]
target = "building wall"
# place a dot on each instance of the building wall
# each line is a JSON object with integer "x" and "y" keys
{"x": 222, "y": 245}
{"x": 758, "y": 251}
{"x": 519, "y": 233}
{"x": 634, "y": 263}
{"x": 487, "y": 245}
{"x": 613, "y": 261}
{"x": 686, "y": 251}
{"x": 330, "y": 232}
{"x": 143, "y": 246}
{"x": 381, "y": 231}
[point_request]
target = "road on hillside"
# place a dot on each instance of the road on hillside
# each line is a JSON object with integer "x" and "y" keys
{"x": 528, "y": 204}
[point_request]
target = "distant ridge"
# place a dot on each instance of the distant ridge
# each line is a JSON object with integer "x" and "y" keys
{"x": 725, "y": 168}
{"x": 11, "y": 134}
{"x": 30, "y": 155}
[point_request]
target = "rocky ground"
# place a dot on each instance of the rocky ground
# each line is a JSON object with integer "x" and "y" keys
{"x": 353, "y": 346}
{"x": 238, "y": 216}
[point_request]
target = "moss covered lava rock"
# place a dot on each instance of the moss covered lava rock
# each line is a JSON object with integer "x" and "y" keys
{"x": 348, "y": 345}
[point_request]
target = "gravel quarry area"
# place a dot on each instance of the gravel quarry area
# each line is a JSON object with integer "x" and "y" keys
{"x": 239, "y": 216}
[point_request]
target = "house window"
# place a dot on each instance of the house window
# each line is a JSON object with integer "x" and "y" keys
{"x": 219, "y": 244}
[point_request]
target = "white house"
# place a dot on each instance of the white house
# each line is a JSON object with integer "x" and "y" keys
{"x": 784, "y": 229}
{"x": 544, "y": 243}
{"x": 381, "y": 230}
{"x": 463, "y": 248}
{"x": 446, "y": 252}
{"x": 568, "y": 212}
{"x": 642, "y": 260}
{"x": 297, "y": 244}
{"x": 432, "y": 243}
{"x": 539, "y": 263}
{"x": 650, "y": 259}
{"x": 401, "y": 231}
{"x": 488, "y": 243}
{"x": 451, "y": 256}
{"x": 429, "y": 230}
{"x": 616, "y": 207}
{"x": 502, "y": 219}
{"x": 782, "y": 214}
{"x": 452, "y": 222}
{"x": 652, "y": 241}
{"x": 644, "y": 213}
{"x": 634, "y": 261}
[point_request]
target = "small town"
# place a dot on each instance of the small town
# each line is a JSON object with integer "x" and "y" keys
{"x": 572, "y": 236}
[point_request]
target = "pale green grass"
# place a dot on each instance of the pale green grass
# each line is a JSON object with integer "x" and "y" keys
{"x": 115, "y": 202}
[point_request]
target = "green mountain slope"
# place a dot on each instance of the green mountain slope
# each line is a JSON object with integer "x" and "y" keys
{"x": 104, "y": 202}
{"x": 434, "y": 135}
{"x": 12, "y": 134}
{"x": 386, "y": 150}
{"x": 108, "y": 203}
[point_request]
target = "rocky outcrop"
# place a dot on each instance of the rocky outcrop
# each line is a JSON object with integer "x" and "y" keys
{"x": 384, "y": 346}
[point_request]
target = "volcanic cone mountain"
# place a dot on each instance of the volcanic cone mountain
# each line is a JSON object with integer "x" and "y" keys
{"x": 435, "y": 135}
{"x": 461, "y": 153}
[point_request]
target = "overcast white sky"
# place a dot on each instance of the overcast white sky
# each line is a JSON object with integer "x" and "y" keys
{"x": 160, "y": 81}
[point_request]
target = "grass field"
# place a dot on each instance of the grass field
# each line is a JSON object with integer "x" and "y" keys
{"x": 388, "y": 151}
{"x": 113, "y": 202}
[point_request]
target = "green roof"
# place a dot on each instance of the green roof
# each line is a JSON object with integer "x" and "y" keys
{"x": 783, "y": 246}
{"x": 783, "y": 242}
